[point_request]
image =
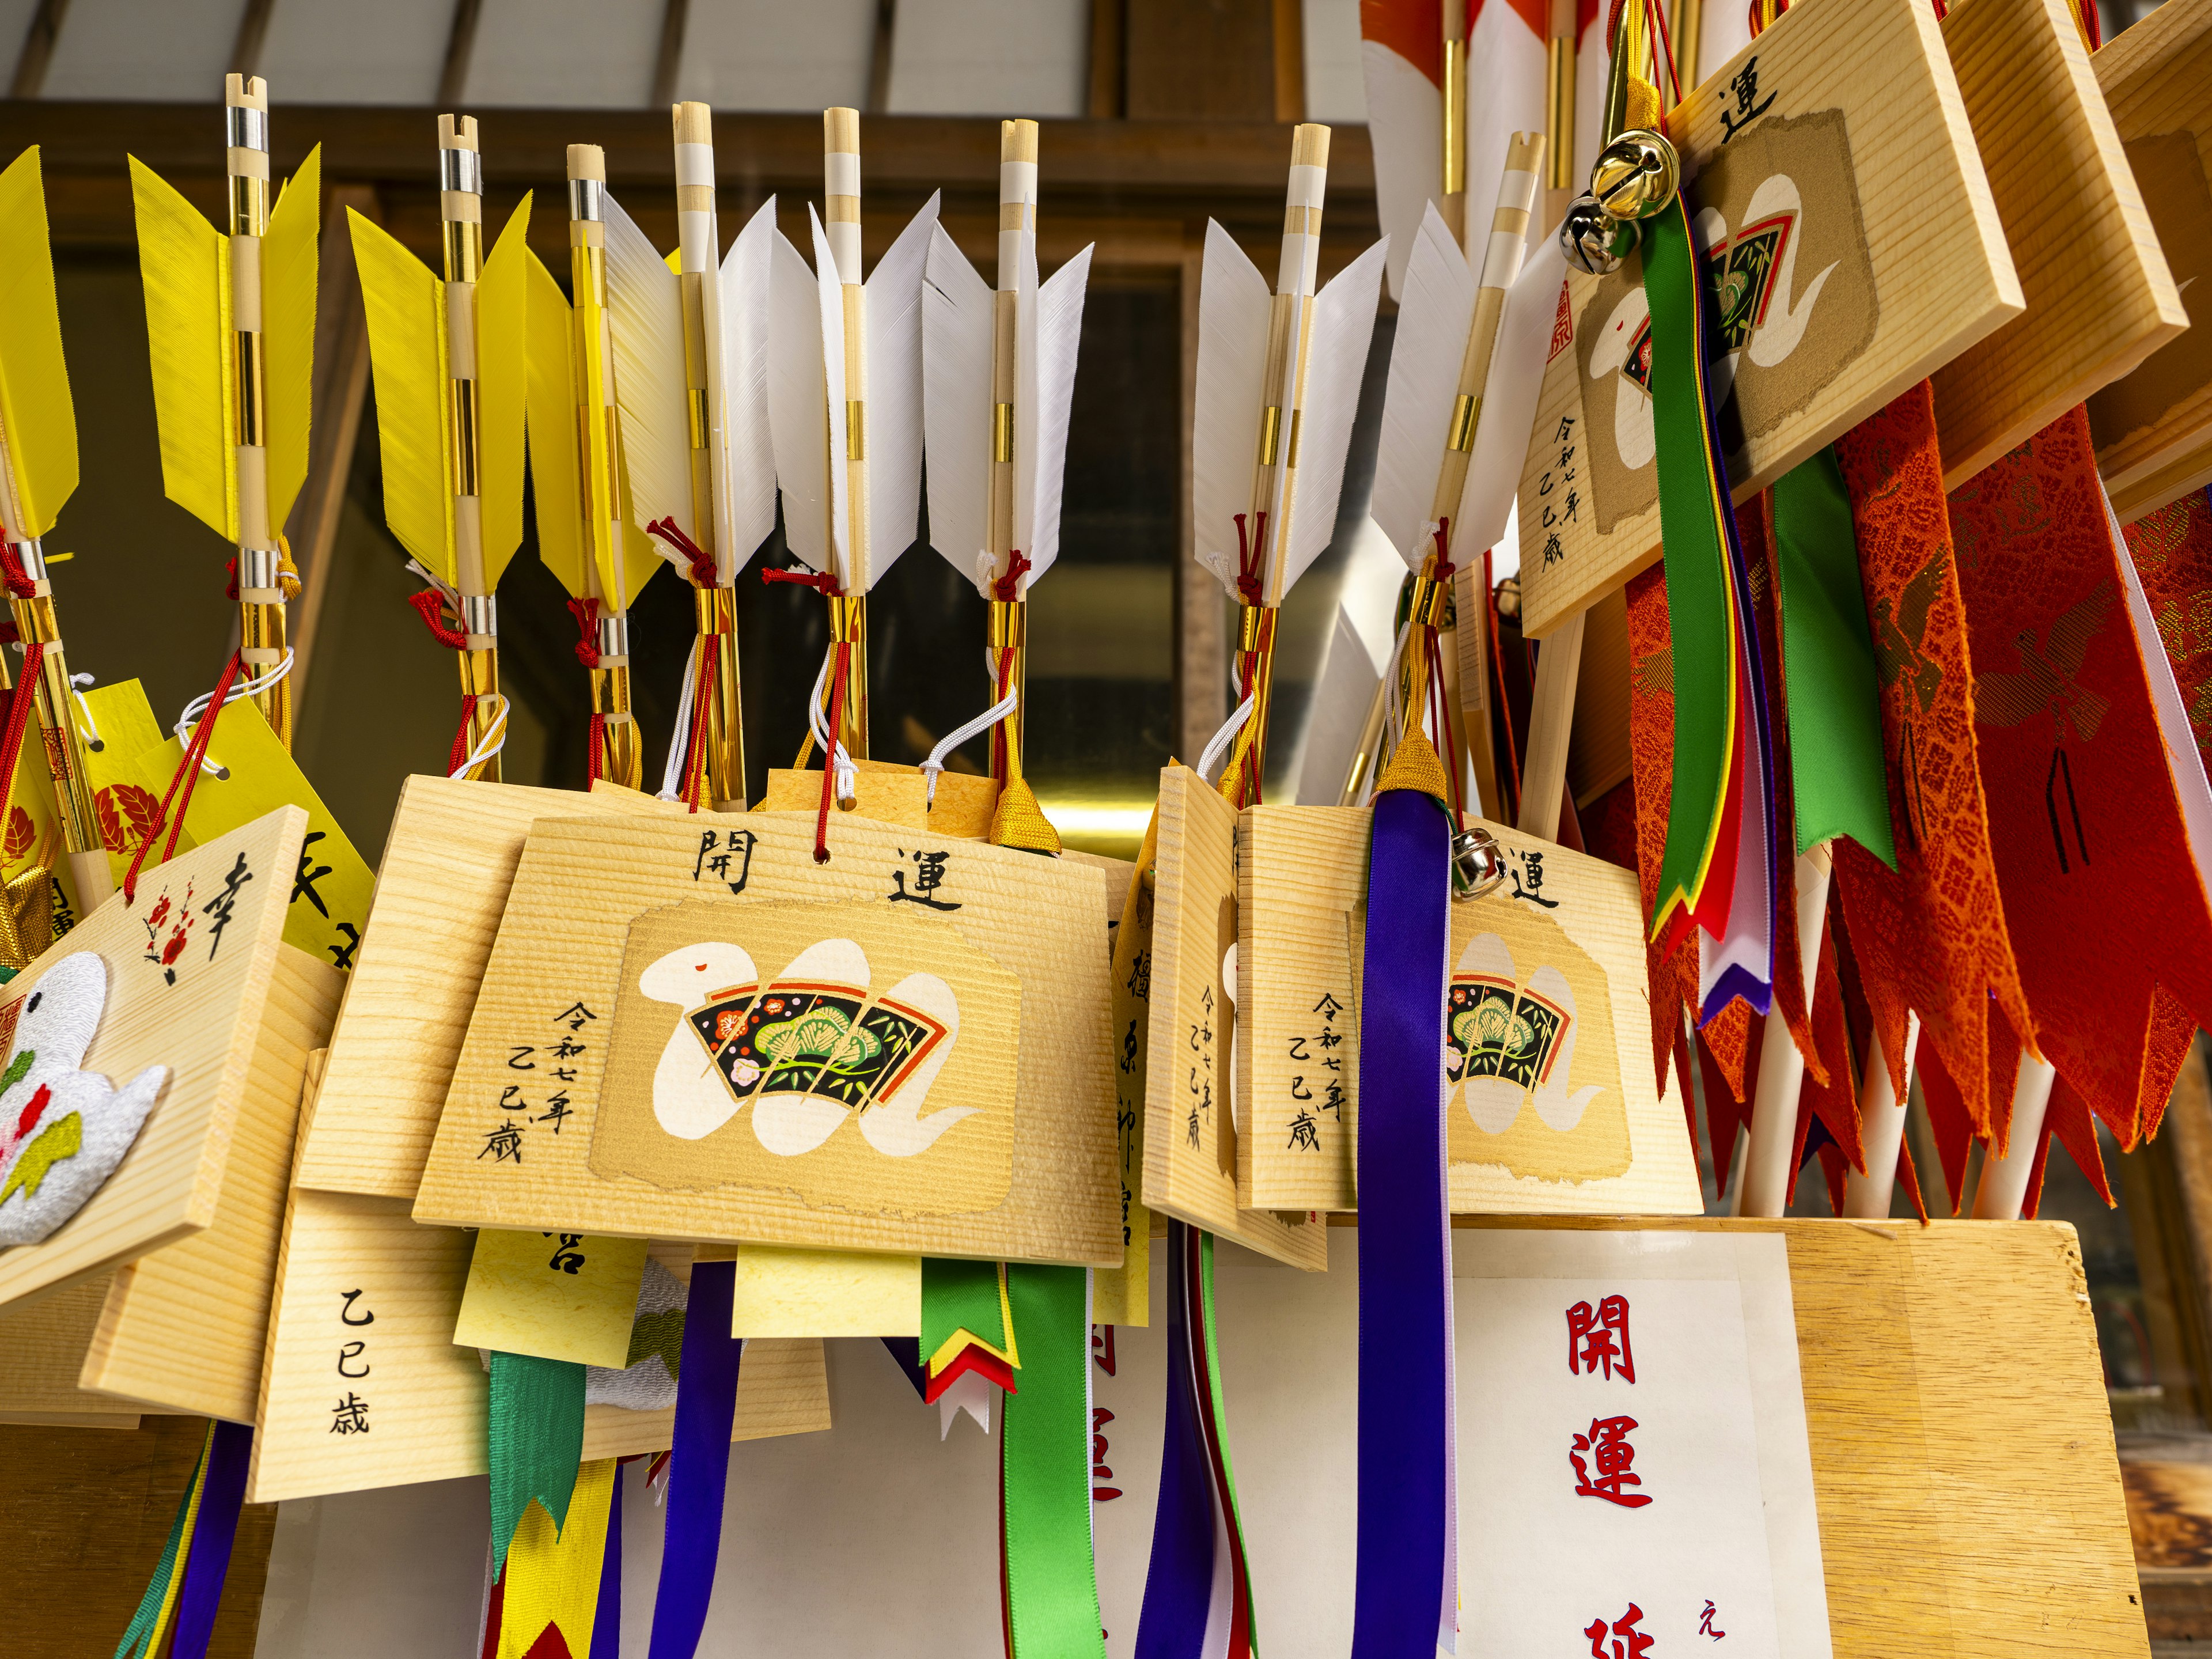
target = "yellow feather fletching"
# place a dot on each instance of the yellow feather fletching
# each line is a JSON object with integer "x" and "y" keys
{"x": 641, "y": 554}
{"x": 502, "y": 389}
{"x": 405, "y": 305}
{"x": 554, "y": 467}
{"x": 287, "y": 322}
{"x": 184, "y": 264}
{"x": 35, "y": 412}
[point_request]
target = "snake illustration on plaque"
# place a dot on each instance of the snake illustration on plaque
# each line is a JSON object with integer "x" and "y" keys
{"x": 852, "y": 1055}
{"x": 1531, "y": 1072}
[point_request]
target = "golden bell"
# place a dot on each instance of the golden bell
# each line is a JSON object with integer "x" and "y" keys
{"x": 1636, "y": 175}
{"x": 1594, "y": 240}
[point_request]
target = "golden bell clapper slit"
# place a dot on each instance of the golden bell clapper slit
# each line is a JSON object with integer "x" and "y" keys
{"x": 37, "y": 474}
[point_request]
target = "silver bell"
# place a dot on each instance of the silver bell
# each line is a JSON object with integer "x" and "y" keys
{"x": 1594, "y": 240}
{"x": 1478, "y": 865}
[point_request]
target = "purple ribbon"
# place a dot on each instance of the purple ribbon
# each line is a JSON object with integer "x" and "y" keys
{"x": 699, "y": 1465}
{"x": 606, "y": 1616}
{"x": 222, "y": 1494}
{"x": 1403, "y": 1577}
{"x": 1179, "y": 1583}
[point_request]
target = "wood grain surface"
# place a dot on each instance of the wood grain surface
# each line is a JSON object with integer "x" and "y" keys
{"x": 1963, "y": 1463}
{"x": 439, "y": 894}
{"x": 1190, "y": 1151}
{"x": 1934, "y": 253}
{"x": 580, "y": 885}
{"x": 2156, "y": 78}
{"x": 205, "y": 1027}
{"x": 2099, "y": 296}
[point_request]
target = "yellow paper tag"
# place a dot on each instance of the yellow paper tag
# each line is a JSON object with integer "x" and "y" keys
{"x": 793, "y": 1292}
{"x": 253, "y": 776}
{"x": 557, "y": 1296}
{"x": 125, "y": 772}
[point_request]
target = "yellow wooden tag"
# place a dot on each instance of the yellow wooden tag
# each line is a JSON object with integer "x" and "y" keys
{"x": 253, "y": 775}
{"x": 795, "y": 1292}
{"x": 558, "y": 1296}
{"x": 122, "y": 758}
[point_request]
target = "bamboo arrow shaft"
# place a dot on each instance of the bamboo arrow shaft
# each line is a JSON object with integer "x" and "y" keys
{"x": 260, "y": 584}
{"x": 621, "y": 759}
{"x": 1009, "y": 621}
{"x": 849, "y": 613}
{"x": 460, "y": 211}
{"x": 718, "y": 733}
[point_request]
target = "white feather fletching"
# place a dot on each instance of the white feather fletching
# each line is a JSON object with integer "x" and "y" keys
{"x": 1433, "y": 318}
{"x": 799, "y": 408}
{"x": 748, "y": 470}
{"x": 894, "y": 411}
{"x": 645, "y": 320}
{"x": 1233, "y": 304}
{"x": 1049, "y": 388}
{"x": 956, "y": 306}
{"x": 1405, "y": 125}
{"x": 829, "y": 297}
{"x": 1336, "y": 358}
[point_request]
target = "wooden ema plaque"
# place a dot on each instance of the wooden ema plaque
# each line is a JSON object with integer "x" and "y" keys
{"x": 362, "y": 1335}
{"x": 188, "y": 1222}
{"x": 440, "y": 889}
{"x": 2100, "y": 297}
{"x": 902, "y": 1049}
{"x": 1549, "y": 1090}
{"x": 1859, "y": 250}
{"x": 2154, "y": 429}
{"x": 1190, "y": 1151}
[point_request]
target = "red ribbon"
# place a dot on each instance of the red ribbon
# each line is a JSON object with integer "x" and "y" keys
{"x": 187, "y": 775}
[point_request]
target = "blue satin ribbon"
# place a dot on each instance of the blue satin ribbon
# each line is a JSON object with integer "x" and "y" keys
{"x": 699, "y": 1465}
{"x": 1179, "y": 1583}
{"x": 1405, "y": 1582}
{"x": 208, "y": 1562}
{"x": 606, "y": 1612}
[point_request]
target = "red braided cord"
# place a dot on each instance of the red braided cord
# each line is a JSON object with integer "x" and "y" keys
{"x": 430, "y": 605}
{"x": 11, "y": 572}
{"x": 820, "y": 581}
{"x": 187, "y": 775}
{"x": 702, "y": 699}
{"x": 599, "y": 737}
{"x": 586, "y": 613}
{"x": 700, "y": 561}
{"x": 461, "y": 749}
{"x": 1009, "y": 586}
{"x": 830, "y": 752}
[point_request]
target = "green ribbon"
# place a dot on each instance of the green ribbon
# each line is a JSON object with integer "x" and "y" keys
{"x": 962, "y": 1296}
{"x": 1052, "y": 1582}
{"x": 140, "y": 1632}
{"x": 1836, "y": 765}
{"x": 1693, "y": 525}
{"x": 537, "y": 1435}
{"x": 1221, "y": 1430}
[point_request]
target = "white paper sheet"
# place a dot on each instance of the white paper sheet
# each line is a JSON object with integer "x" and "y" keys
{"x": 879, "y": 1537}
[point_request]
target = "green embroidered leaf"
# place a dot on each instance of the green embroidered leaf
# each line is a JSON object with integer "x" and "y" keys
{"x": 55, "y": 1141}
{"x": 25, "y": 1058}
